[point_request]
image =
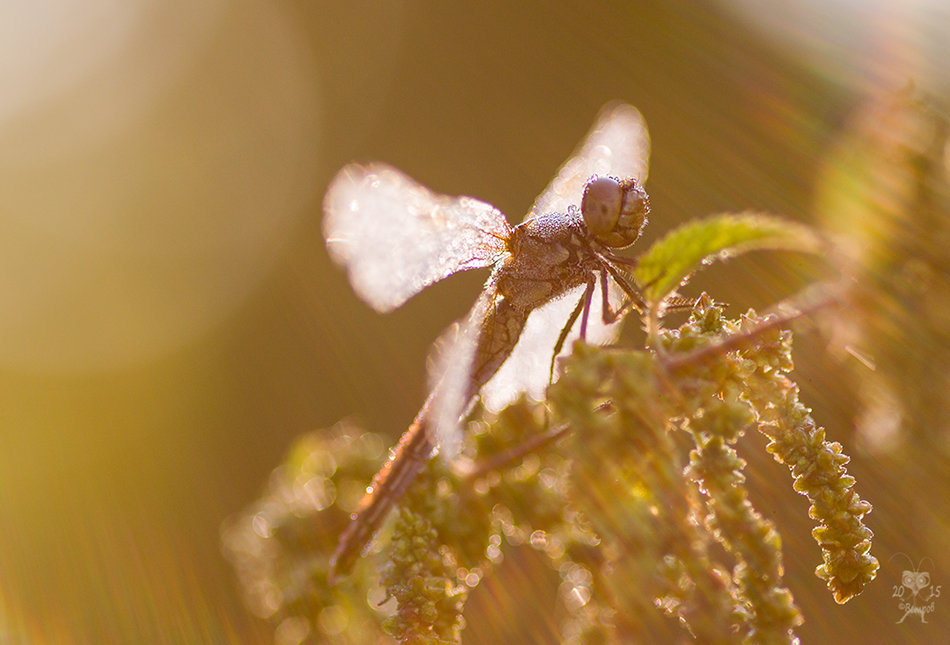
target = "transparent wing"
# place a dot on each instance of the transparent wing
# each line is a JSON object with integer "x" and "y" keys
{"x": 526, "y": 370}
{"x": 618, "y": 145}
{"x": 528, "y": 367}
{"x": 395, "y": 237}
{"x": 451, "y": 373}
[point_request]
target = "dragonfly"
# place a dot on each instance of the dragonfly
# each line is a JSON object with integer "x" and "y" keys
{"x": 394, "y": 237}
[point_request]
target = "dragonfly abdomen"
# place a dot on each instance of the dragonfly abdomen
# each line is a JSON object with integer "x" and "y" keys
{"x": 389, "y": 485}
{"x": 497, "y": 338}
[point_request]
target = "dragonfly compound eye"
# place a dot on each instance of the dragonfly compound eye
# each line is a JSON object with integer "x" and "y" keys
{"x": 615, "y": 211}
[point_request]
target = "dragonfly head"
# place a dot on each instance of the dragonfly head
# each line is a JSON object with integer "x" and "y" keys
{"x": 615, "y": 210}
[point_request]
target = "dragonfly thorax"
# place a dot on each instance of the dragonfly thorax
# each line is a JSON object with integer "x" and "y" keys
{"x": 547, "y": 255}
{"x": 615, "y": 211}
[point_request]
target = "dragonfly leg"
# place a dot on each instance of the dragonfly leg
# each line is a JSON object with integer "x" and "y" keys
{"x": 608, "y": 314}
{"x": 585, "y": 313}
{"x": 632, "y": 293}
{"x": 583, "y": 307}
{"x": 676, "y": 303}
{"x": 624, "y": 260}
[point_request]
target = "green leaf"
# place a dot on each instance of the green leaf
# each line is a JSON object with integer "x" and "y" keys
{"x": 667, "y": 263}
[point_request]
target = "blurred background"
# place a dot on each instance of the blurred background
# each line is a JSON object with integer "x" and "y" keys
{"x": 171, "y": 321}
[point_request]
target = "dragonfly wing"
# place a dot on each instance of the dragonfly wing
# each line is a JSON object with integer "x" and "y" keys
{"x": 395, "y": 237}
{"x": 450, "y": 375}
{"x": 618, "y": 145}
{"x": 528, "y": 368}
